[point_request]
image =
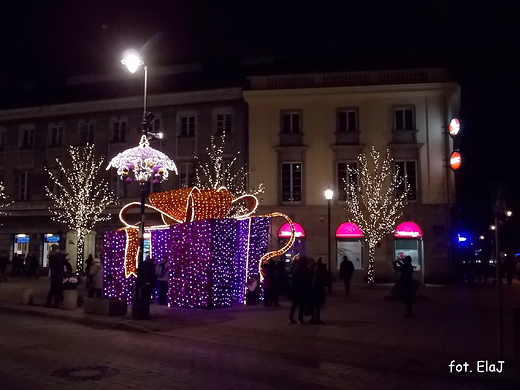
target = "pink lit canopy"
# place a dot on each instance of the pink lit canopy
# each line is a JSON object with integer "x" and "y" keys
{"x": 348, "y": 230}
{"x": 285, "y": 230}
{"x": 408, "y": 230}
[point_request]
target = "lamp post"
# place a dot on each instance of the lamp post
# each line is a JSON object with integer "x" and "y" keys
{"x": 145, "y": 163}
{"x": 328, "y": 195}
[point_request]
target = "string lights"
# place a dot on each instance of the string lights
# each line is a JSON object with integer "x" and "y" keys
{"x": 374, "y": 203}
{"x": 80, "y": 196}
{"x": 3, "y": 200}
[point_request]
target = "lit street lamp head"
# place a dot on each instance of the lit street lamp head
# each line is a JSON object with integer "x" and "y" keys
{"x": 329, "y": 194}
{"x": 132, "y": 61}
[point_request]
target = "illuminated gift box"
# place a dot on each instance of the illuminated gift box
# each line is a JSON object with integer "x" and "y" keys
{"x": 208, "y": 260}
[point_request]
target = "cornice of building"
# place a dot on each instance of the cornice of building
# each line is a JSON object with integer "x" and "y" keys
{"x": 135, "y": 102}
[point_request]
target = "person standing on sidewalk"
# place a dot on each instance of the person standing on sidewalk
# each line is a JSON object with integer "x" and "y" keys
{"x": 346, "y": 270}
{"x": 302, "y": 285}
{"x": 321, "y": 277}
{"x": 4, "y": 261}
{"x": 57, "y": 269}
{"x": 95, "y": 279}
{"x": 162, "y": 271}
{"x": 406, "y": 280}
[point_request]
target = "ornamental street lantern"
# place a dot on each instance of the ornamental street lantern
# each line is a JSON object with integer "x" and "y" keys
{"x": 455, "y": 160}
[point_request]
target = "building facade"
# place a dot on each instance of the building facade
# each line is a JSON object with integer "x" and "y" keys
{"x": 306, "y": 131}
{"x": 31, "y": 138}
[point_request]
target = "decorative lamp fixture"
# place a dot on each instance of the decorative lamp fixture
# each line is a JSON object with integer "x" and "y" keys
{"x": 144, "y": 162}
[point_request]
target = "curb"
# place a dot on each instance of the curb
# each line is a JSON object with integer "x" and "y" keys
{"x": 85, "y": 319}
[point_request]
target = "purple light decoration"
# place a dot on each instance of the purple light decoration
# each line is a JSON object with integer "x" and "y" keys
{"x": 115, "y": 284}
{"x": 208, "y": 260}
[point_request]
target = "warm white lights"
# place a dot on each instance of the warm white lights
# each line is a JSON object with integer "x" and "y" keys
{"x": 3, "y": 200}
{"x": 132, "y": 61}
{"x": 492, "y": 227}
{"x": 374, "y": 202}
{"x": 81, "y": 197}
{"x": 509, "y": 213}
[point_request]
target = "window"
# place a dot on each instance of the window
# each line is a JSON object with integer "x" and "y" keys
{"x": 86, "y": 133}
{"x": 407, "y": 170}
{"x": 291, "y": 122}
{"x": 27, "y": 137}
{"x": 56, "y": 135}
{"x": 404, "y": 118}
{"x": 347, "y": 120}
{"x": 186, "y": 175}
{"x": 2, "y": 138}
{"x": 23, "y": 185}
{"x": 224, "y": 123}
{"x": 187, "y": 125}
{"x": 157, "y": 125}
{"x": 346, "y": 175}
{"x": 53, "y": 187}
{"x": 119, "y": 131}
{"x": 292, "y": 182}
{"x": 117, "y": 184}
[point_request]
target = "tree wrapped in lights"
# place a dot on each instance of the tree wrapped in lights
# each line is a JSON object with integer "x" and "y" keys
{"x": 376, "y": 201}
{"x": 81, "y": 196}
{"x": 3, "y": 200}
{"x": 217, "y": 173}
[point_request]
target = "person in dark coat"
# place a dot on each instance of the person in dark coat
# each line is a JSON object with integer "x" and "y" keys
{"x": 301, "y": 286}
{"x": 33, "y": 266}
{"x": 268, "y": 284}
{"x": 88, "y": 264}
{"x": 346, "y": 270}
{"x": 4, "y": 262}
{"x": 318, "y": 291}
{"x": 406, "y": 282}
{"x": 57, "y": 269}
{"x": 162, "y": 271}
{"x": 281, "y": 277}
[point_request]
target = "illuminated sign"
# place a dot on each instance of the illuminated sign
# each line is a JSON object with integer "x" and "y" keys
{"x": 349, "y": 230}
{"x": 21, "y": 238}
{"x": 408, "y": 230}
{"x": 454, "y": 127}
{"x": 285, "y": 230}
{"x": 52, "y": 238}
{"x": 455, "y": 160}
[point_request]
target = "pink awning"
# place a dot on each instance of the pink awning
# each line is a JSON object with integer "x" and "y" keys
{"x": 285, "y": 230}
{"x": 348, "y": 230}
{"x": 408, "y": 230}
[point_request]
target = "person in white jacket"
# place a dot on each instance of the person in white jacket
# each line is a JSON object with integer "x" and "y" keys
{"x": 95, "y": 282}
{"x": 162, "y": 271}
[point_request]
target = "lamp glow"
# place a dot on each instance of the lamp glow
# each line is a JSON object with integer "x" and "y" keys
{"x": 329, "y": 194}
{"x": 132, "y": 61}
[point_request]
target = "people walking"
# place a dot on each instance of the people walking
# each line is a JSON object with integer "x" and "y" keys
{"x": 162, "y": 271}
{"x": 4, "y": 262}
{"x": 95, "y": 279}
{"x": 346, "y": 270}
{"x": 301, "y": 289}
{"x": 406, "y": 282}
{"x": 57, "y": 269}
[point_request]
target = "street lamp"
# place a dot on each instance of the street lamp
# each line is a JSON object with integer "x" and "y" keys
{"x": 145, "y": 163}
{"x": 328, "y": 195}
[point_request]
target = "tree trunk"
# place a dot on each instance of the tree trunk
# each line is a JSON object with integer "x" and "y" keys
{"x": 371, "y": 256}
{"x": 79, "y": 252}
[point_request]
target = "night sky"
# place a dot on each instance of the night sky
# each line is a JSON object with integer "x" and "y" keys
{"x": 43, "y": 42}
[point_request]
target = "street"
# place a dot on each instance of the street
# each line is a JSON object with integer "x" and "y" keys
{"x": 41, "y": 353}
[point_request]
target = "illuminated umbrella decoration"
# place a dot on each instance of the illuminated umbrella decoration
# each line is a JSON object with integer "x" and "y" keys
{"x": 144, "y": 162}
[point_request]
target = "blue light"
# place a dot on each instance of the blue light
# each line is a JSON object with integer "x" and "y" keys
{"x": 461, "y": 239}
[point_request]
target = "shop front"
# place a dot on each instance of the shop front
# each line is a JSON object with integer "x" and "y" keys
{"x": 21, "y": 244}
{"x": 284, "y": 235}
{"x": 408, "y": 242}
{"x": 349, "y": 242}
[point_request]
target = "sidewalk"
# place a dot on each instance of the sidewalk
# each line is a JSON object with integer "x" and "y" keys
{"x": 456, "y": 323}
